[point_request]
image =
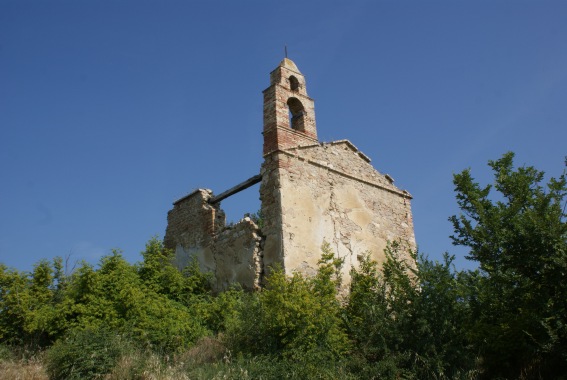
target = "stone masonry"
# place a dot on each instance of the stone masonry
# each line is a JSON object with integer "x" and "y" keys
{"x": 311, "y": 193}
{"x": 197, "y": 230}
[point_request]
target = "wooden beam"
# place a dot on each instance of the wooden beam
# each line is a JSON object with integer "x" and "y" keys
{"x": 241, "y": 186}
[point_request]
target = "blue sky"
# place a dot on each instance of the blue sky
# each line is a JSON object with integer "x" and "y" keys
{"x": 111, "y": 110}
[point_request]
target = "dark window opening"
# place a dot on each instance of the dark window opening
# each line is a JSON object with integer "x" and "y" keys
{"x": 296, "y": 114}
{"x": 293, "y": 83}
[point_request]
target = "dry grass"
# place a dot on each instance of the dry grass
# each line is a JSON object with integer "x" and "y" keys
{"x": 150, "y": 366}
{"x": 25, "y": 369}
{"x": 138, "y": 364}
{"x": 206, "y": 350}
{"x": 146, "y": 366}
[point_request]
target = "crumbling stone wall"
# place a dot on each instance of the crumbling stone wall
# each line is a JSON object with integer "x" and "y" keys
{"x": 197, "y": 230}
{"x": 238, "y": 253}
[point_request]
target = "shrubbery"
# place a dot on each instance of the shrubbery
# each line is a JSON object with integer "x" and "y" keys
{"x": 413, "y": 318}
{"x": 294, "y": 317}
{"x": 85, "y": 354}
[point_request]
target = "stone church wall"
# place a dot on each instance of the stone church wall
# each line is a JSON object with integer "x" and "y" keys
{"x": 330, "y": 193}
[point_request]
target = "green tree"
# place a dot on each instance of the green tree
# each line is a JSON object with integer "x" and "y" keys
{"x": 153, "y": 302}
{"x": 159, "y": 274}
{"x": 516, "y": 230}
{"x": 29, "y": 312}
{"x": 115, "y": 296}
{"x": 408, "y": 318}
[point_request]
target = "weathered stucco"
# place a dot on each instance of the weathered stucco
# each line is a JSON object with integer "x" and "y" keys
{"x": 310, "y": 192}
{"x": 330, "y": 193}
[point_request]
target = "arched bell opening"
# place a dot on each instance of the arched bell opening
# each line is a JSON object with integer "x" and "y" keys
{"x": 296, "y": 114}
{"x": 293, "y": 83}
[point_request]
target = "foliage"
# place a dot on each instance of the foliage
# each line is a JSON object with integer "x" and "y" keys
{"x": 151, "y": 301}
{"x": 5, "y": 353}
{"x": 293, "y": 317}
{"x": 158, "y": 274}
{"x": 221, "y": 310}
{"x": 117, "y": 297}
{"x": 28, "y": 304}
{"x": 258, "y": 218}
{"x": 85, "y": 354}
{"x": 268, "y": 367}
{"x": 407, "y": 320}
{"x": 519, "y": 297}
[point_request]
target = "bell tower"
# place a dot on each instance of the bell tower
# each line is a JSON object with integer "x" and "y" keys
{"x": 289, "y": 113}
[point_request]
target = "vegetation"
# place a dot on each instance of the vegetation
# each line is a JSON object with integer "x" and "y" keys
{"x": 412, "y": 318}
{"x": 518, "y": 298}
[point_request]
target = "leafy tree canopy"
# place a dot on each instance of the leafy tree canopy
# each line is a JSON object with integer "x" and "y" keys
{"x": 516, "y": 230}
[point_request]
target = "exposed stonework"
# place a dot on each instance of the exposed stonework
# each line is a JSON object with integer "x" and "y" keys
{"x": 311, "y": 193}
{"x": 196, "y": 229}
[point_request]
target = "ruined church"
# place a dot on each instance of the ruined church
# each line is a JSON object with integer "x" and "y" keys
{"x": 311, "y": 192}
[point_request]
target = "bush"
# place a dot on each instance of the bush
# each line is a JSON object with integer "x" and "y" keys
{"x": 293, "y": 317}
{"x": 85, "y": 354}
{"x": 5, "y": 353}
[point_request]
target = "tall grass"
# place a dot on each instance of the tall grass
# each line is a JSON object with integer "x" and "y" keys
{"x": 209, "y": 359}
{"x": 21, "y": 365}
